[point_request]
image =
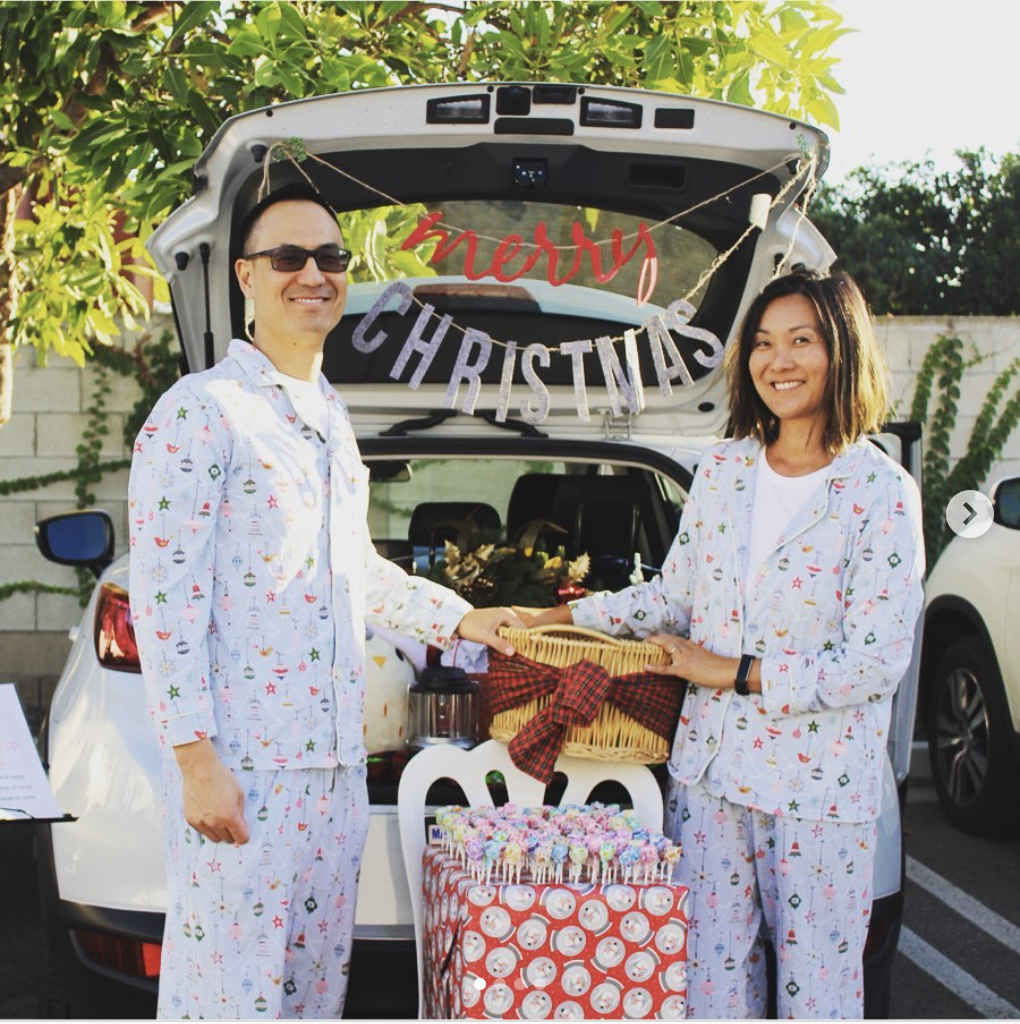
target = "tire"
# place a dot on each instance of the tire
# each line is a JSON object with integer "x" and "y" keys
{"x": 969, "y": 744}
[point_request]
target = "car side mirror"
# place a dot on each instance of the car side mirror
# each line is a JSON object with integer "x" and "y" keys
{"x": 1006, "y": 502}
{"x": 82, "y": 538}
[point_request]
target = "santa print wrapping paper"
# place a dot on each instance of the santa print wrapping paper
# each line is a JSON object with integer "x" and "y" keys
{"x": 551, "y": 951}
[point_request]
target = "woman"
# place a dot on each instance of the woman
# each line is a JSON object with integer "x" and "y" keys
{"x": 797, "y": 576}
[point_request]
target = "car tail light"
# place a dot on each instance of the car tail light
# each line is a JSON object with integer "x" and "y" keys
{"x": 115, "y": 635}
{"x": 128, "y": 956}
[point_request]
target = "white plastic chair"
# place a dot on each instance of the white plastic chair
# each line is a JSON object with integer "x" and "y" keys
{"x": 468, "y": 768}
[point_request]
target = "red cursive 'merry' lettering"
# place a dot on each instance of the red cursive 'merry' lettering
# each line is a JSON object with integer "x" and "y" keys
{"x": 509, "y": 248}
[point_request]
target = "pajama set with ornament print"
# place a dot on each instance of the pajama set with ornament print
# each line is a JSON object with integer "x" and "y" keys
{"x": 774, "y": 795}
{"x": 252, "y": 576}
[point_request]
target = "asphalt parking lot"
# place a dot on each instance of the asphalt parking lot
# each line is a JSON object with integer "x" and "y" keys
{"x": 957, "y": 956}
{"x": 19, "y": 923}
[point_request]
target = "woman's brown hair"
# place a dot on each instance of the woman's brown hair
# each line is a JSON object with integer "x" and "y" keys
{"x": 857, "y": 388}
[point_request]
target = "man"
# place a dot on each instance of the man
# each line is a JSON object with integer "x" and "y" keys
{"x": 252, "y": 575}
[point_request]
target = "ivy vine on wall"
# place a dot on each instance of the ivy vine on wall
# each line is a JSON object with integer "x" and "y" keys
{"x": 154, "y": 364}
{"x": 943, "y": 369}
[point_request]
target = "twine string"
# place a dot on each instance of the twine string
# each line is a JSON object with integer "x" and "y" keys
{"x": 805, "y": 171}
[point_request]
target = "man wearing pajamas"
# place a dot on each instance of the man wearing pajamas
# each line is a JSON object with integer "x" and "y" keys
{"x": 252, "y": 576}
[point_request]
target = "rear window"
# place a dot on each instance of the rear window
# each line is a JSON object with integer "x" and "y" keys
{"x": 621, "y": 519}
{"x": 528, "y": 241}
{"x": 519, "y": 271}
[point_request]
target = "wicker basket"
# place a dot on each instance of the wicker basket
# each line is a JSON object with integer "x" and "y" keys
{"x": 613, "y": 735}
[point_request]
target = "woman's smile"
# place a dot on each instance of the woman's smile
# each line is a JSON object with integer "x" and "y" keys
{"x": 789, "y": 359}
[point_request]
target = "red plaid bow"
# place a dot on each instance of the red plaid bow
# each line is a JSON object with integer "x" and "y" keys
{"x": 578, "y": 692}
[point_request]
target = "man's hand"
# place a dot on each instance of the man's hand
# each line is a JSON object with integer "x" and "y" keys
{"x": 481, "y": 624}
{"x": 213, "y": 798}
{"x": 561, "y": 615}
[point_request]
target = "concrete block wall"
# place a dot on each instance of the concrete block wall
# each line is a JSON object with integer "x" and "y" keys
{"x": 50, "y": 413}
{"x": 906, "y": 340}
{"x": 49, "y": 417}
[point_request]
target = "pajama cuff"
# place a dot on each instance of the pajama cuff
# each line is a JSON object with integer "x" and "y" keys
{"x": 199, "y": 725}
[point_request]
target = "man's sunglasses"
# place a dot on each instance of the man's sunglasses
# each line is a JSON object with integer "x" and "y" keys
{"x": 330, "y": 259}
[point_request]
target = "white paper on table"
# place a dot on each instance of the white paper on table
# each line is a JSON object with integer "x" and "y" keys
{"x": 24, "y": 789}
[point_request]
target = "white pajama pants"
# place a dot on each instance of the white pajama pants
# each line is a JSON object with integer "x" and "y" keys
{"x": 809, "y": 880}
{"x": 264, "y": 930}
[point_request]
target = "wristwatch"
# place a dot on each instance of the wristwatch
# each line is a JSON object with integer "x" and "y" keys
{"x": 743, "y": 671}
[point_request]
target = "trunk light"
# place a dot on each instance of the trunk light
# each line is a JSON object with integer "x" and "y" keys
{"x": 610, "y": 113}
{"x": 115, "y": 635}
{"x": 458, "y": 110}
{"x": 128, "y": 956}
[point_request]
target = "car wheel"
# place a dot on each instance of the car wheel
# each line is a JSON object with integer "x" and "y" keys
{"x": 968, "y": 742}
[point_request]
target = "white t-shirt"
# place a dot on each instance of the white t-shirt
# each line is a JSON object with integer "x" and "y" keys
{"x": 777, "y": 499}
{"x": 309, "y": 403}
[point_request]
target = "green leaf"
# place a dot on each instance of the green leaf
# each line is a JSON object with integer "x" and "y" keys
{"x": 409, "y": 265}
{"x": 61, "y": 120}
{"x": 739, "y": 91}
{"x": 685, "y": 67}
{"x": 823, "y": 110}
{"x": 176, "y": 83}
{"x": 292, "y": 82}
{"x": 792, "y": 20}
{"x": 195, "y": 13}
{"x": 293, "y": 20}
{"x": 268, "y": 22}
{"x": 246, "y": 44}
{"x": 821, "y": 39}
{"x": 658, "y": 58}
{"x": 830, "y": 83}
{"x": 768, "y": 45}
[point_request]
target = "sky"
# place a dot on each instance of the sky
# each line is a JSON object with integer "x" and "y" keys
{"x": 925, "y": 76}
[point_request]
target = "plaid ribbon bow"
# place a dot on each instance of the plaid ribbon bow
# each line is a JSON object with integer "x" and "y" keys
{"x": 578, "y": 692}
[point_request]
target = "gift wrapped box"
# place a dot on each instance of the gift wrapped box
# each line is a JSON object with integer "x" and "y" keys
{"x": 544, "y": 951}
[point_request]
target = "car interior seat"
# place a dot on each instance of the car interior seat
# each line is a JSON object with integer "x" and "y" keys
{"x": 600, "y": 515}
{"x": 466, "y": 523}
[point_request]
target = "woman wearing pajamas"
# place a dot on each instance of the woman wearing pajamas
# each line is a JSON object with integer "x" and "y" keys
{"x": 789, "y": 601}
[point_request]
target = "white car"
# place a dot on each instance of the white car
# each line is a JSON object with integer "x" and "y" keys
{"x": 671, "y": 186}
{"x": 970, "y": 677}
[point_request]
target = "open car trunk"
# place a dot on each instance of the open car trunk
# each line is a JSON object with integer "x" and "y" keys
{"x": 507, "y": 239}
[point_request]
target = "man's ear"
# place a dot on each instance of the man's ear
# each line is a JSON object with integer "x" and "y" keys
{"x": 243, "y": 268}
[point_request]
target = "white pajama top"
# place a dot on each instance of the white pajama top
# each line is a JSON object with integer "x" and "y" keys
{"x": 253, "y": 573}
{"x": 830, "y": 611}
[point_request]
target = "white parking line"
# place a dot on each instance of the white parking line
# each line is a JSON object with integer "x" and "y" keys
{"x": 955, "y": 978}
{"x": 956, "y": 899}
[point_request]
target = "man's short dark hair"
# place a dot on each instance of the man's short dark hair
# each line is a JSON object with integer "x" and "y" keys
{"x": 296, "y": 191}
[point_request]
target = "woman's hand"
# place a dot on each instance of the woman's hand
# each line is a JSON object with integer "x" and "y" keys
{"x": 558, "y": 616}
{"x": 481, "y": 625}
{"x": 692, "y": 662}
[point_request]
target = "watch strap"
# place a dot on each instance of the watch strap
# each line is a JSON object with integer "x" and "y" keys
{"x": 743, "y": 671}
